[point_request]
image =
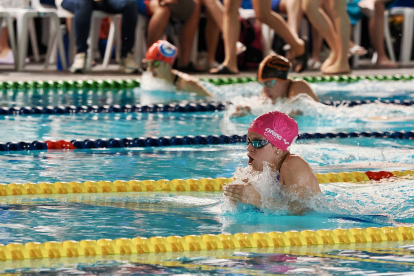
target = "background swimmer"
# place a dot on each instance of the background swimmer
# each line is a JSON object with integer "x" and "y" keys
{"x": 160, "y": 58}
{"x": 273, "y": 75}
{"x": 268, "y": 139}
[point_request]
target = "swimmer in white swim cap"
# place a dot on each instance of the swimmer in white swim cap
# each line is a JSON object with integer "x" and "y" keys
{"x": 268, "y": 140}
{"x": 273, "y": 76}
{"x": 160, "y": 58}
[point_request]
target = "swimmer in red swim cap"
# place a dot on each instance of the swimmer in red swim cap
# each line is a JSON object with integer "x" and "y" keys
{"x": 273, "y": 76}
{"x": 268, "y": 140}
{"x": 160, "y": 58}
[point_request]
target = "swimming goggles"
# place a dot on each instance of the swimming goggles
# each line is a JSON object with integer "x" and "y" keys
{"x": 154, "y": 64}
{"x": 257, "y": 144}
{"x": 270, "y": 83}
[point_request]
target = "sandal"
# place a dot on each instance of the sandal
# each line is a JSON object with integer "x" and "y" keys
{"x": 223, "y": 70}
{"x": 302, "y": 60}
{"x": 357, "y": 50}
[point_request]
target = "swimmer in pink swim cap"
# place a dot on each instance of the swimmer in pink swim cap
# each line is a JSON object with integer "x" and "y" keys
{"x": 160, "y": 58}
{"x": 268, "y": 140}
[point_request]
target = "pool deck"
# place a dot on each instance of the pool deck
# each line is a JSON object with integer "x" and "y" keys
{"x": 37, "y": 72}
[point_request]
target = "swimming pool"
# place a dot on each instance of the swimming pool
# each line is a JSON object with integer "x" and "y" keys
{"x": 37, "y": 218}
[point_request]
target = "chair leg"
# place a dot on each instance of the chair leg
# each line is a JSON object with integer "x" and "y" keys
{"x": 357, "y": 40}
{"x": 12, "y": 39}
{"x": 118, "y": 39}
{"x": 194, "y": 49}
{"x": 72, "y": 41}
{"x": 50, "y": 49}
{"x": 92, "y": 41}
{"x": 109, "y": 44}
{"x": 140, "y": 44}
{"x": 407, "y": 37}
{"x": 33, "y": 39}
{"x": 22, "y": 38}
{"x": 267, "y": 34}
{"x": 59, "y": 40}
{"x": 387, "y": 35}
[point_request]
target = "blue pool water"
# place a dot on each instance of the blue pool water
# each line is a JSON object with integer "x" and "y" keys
{"x": 89, "y": 216}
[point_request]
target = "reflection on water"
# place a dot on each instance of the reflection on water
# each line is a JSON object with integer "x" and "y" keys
{"x": 357, "y": 259}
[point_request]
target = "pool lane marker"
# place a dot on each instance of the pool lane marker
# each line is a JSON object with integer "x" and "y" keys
{"x": 207, "y": 242}
{"x": 182, "y": 141}
{"x": 136, "y": 82}
{"x": 176, "y": 185}
{"x": 162, "y": 108}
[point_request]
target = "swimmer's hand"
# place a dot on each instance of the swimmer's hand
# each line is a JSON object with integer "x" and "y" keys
{"x": 243, "y": 193}
{"x": 241, "y": 111}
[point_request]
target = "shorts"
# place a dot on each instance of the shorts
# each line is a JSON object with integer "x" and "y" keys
{"x": 183, "y": 10}
{"x": 143, "y": 7}
{"x": 275, "y": 5}
{"x": 354, "y": 12}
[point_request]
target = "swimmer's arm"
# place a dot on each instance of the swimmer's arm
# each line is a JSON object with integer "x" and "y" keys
{"x": 241, "y": 111}
{"x": 302, "y": 87}
{"x": 190, "y": 84}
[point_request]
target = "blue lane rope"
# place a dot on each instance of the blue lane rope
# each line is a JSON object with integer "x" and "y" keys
{"x": 192, "y": 140}
{"x": 188, "y": 107}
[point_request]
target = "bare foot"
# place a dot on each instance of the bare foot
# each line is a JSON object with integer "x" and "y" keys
{"x": 385, "y": 63}
{"x": 224, "y": 69}
{"x": 328, "y": 62}
{"x": 336, "y": 69}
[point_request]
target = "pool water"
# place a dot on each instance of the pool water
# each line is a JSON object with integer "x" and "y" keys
{"x": 90, "y": 216}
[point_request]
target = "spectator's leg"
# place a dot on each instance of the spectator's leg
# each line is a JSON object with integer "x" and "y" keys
{"x": 83, "y": 12}
{"x": 212, "y": 33}
{"x": 293, "y": 9}
{"x": 216, "y": 11}
{"x": 321, "y": 22}
{"x": 158, "y": 22}
{"x": 376, "y": 32}
{"x": 231, "y": 33}
{"x": 188, "y": 32}
{"x": 129, "y": 11}
{"x": 4, "y": 44}
{"x": 343, "y": 29}
{"x": 279, "y": 25}
{"x": 317, "y": 41}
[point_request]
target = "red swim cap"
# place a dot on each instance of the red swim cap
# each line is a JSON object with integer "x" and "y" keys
{"x": 163, "y": 51}
{"x": 277, "y": 127}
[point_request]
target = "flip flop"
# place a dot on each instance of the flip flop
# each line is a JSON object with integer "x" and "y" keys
{"x": 302, "y": 60}
{"x": 223, "y": 70}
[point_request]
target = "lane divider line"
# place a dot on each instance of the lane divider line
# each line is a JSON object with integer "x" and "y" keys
{"x": 183, "y": 141}
{"x": 176, "y": 185}
{"x": 207, "y": 242}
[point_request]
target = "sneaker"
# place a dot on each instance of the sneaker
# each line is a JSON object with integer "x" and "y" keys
{"x": 128, "y": 64}
{"x": 79, "y": 63}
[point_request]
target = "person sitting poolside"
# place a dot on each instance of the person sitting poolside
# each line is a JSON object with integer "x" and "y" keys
{"x": 160, "y": 58}
{"x": 268, "y": 140}
{"x": 273, "y": 75}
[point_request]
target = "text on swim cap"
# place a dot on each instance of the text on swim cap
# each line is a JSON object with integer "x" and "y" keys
{"x": 273, "y": 133}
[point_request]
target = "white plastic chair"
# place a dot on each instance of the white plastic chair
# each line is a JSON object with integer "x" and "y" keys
{"x": 407, "y": 35}
{"x": 387, "y": 35}
{"x": 4, "y": 15}
{"x": 96, "y": 20}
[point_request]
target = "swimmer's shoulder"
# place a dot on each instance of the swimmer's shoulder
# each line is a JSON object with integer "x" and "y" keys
{"x": 301, "y": 86}
{"x": 295, "y": 170}
{"x": 188, "y": 83}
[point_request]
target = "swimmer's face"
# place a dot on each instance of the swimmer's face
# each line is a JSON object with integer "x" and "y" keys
{"x": 267, "y": 153}
{"x": 274, "y": 92}
{"x": 159, "y": 69}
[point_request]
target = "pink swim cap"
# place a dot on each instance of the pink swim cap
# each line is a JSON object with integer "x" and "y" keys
{"x": 277, "y": 127}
